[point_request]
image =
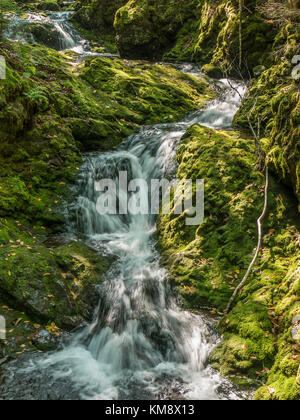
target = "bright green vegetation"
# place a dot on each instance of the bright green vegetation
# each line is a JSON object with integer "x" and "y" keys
{"x": 98, "y": 16}
{"x": 54, "y": 107}
{"x": 44, "y": 283}
{"x": 51, "y": 111}
{"x": 273, "y": 101}
{"x": 207, "y": 262}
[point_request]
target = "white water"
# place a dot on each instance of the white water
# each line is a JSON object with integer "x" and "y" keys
{"x": 140, "y": 344}
{"x": 62, "y": 35}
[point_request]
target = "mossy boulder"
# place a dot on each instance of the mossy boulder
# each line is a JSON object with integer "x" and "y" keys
{"x": 57, "y": 285}
{"x": 207, "y": 262}
{"x": 273, "y": 103}
{"x": 48, "y": 5}
{"x": 45, "y": 34}
{"x": 98, "y": 16}
{"x": 212, "y": 71}
{"x": 146, "y": 29}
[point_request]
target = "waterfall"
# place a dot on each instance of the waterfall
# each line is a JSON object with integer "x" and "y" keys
{"x": 140, "y": 345}
{"x": 53, "y": 30}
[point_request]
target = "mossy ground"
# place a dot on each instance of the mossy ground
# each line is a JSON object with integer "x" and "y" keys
{"x": 207, "y": 262}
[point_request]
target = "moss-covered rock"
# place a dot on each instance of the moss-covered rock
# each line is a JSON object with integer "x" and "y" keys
{"x": 50, "y": 111}
{"x": 194, "y": 30}
{"x": 207, "y": 262}
{"x": 46, "y": 286}
{"x": 212, "y": 71}
{"x": 146, "y": 29}
{"x": 51, "y": 284}
{"x": 273, "y": 103}
{"x": 98, "y": 16}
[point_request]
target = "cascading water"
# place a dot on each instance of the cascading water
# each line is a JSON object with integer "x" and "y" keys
{"x": 140, "y": 345}
{"x": 53, "y": 30}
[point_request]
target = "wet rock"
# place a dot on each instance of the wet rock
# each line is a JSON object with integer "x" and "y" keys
{"x": 46, "y": 34}
{"x": 44, "y": 340}
{"x": 212, "y": 71}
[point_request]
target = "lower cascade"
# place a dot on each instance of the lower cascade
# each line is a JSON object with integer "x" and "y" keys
{"x": 140, "y": 345}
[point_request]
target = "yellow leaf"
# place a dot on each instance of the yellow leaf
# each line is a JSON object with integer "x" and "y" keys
{"x": 18, "y": 321}
{"x": 73, "y": 295}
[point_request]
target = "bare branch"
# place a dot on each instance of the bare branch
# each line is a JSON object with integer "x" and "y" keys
{"x": 260, "y": 233}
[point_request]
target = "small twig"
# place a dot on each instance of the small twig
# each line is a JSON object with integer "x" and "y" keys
{"x": 260, "y": 232}
{"x": 260, "y": 150}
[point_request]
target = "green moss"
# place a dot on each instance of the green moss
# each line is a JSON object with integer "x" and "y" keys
{"x": 207, "y": 262}
{"x": 147, "y": 29}
{"x": 50, "y": 112}
{"x": 51, "y": 284}
{"x": 207, "y": 254}
{"x": 273, "y": 101}
{"x": 51, "y": 5}
{"x": 98, "y": 17}
{"x": 212, "y": 71}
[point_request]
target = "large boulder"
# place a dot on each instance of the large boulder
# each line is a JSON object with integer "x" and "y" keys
{"x": 46, "y": 34}
{"x": 59, "y": 285}
{"x": 146, "y": 29}
{"x": 273, "y": 104}
{"x": 98, "y": 15}
{"x": 207, "y": 262}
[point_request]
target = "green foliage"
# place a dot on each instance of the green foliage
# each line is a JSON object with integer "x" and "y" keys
{"x": 207, "y": 262}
